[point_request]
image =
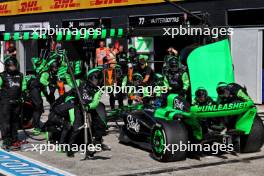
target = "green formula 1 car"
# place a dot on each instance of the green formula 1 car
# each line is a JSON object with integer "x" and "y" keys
{"x": 165, "y": 129}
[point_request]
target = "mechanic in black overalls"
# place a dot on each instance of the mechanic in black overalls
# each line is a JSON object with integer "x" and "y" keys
{"x": 118, "y": 77}
{"x": 53, "y": 80}
{"x": 12, "y": 85}
{"x": 39, "y": 84}
{"x": 122, "y": 60}
{"x": 230, "y": 93}
{"x": 177, "y": 78}
{"x": 145, "y": 70}
{"x": 132, "y": 59}
{"x": 91, "y": 96}
{"x": 202, "y": 98}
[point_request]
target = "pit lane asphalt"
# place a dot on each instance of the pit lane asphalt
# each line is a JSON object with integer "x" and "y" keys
{"x": 128, "y": 160}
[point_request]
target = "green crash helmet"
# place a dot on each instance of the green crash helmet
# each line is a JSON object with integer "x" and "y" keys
{"x": 95, "y": 76}
{"x": 57, "y": 56}
{"x": 53, "y": 66}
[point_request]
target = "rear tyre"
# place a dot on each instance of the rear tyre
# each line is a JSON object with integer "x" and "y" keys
{"x": 254, "y": 141}
{"x": 171, "y": 134}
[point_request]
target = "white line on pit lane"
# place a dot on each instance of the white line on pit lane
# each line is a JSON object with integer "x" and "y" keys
{"x": 35, "y": 162}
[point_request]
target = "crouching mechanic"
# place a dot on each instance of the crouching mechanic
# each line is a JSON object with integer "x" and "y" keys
{"x": 91, "y": 96}
{"x": 230, "y": 93}
{"x": 202, "y": 98}
{"x": 12, "y": 85}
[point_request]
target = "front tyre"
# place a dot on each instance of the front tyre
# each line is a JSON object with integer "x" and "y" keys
{"x": 254, "y": 141}
{"x": 166, "y": 139}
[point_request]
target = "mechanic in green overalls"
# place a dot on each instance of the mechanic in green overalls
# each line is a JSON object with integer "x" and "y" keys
{"x": 230, "y": 93}
{"x": 177, "y": 78}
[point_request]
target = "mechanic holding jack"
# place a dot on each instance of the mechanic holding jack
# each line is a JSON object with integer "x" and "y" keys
{"x": 142, "y": 76}
{"x": 91, "y": 96}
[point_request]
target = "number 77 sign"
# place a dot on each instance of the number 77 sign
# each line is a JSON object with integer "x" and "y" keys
{"x": 144, "y": 44}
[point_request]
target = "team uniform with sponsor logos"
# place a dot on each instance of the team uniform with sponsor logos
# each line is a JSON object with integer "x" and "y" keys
{"x": 66, "y": 112}
{"x": 11, "y": 87}
{"x": 237, "y": 94}
{"x": 178, "y": 81}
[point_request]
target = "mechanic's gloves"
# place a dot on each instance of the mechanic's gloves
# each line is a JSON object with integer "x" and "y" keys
{"x": 186, "y": 81}
{"x": 44, "y": 79}
{"x": 243, "y": 96}
{"x": 24, "y": 85}
{"x": 124, "y": 82}
{"x": 96, "y": 100}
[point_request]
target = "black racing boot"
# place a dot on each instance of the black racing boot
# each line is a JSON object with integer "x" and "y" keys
{"x": 70, "y": 153}
{"x": 7, "y": 144}
{"x": 89, "y": 154}
{"x": 105, "y": 147}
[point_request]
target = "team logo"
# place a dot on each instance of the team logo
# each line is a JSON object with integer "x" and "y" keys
{"x": 132, "y": 124}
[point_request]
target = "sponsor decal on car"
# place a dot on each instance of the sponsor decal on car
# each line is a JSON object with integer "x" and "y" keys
{"x": 132, "y": 124}
{"x": 221, "y": 107}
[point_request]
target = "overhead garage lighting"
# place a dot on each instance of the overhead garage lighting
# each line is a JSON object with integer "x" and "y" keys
{"x": 120, "y": 32}
{"x": 44, "y": 36}
{"x": 78, "y": 35}
{"x": 7, "y": 36}
{"x": 104, "y": 32}
{"x": 26, "y": 36}
{"x": 112, "y": 32}
{"x": 35, "y": 36}
{"x": 16, "y": 36}
{"x": 95, "y": 36}
{"x": 68, "y": 35}
{"x": 59, "y": 36}
{"x": 86, "y": 36}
